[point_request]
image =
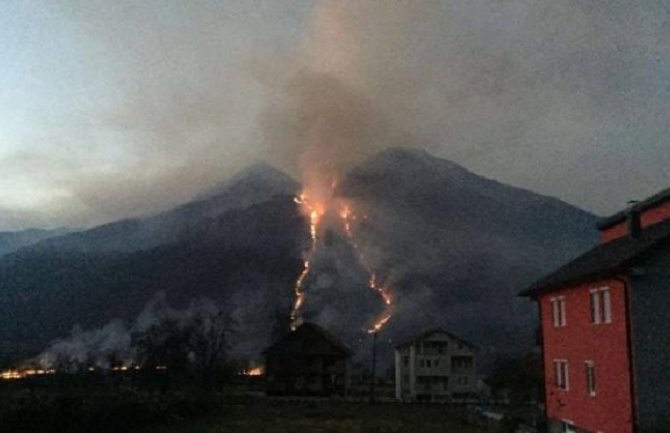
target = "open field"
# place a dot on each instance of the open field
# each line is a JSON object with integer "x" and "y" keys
{"x": 329, "y": 417}
{"x": 117, "y": 404}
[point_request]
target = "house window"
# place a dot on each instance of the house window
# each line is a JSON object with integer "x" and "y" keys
{"x": 590, "y": 378}
{"x": 437, "y": 363}
{"x": 562, "y": 375}
{"x": 558, "y": 311}
{"x": 422, "y": 363}
{"x": 428, "y": 363}
{"x": 601, "y": 306}
{"x": 461, "y": 363}
{"x": 607, "y": 305}
{"x": 405, "y": 360}
{"x": 568, "y": 426}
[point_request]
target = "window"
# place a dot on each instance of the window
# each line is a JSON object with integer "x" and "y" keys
{"x": 405, "y": 360}
{"x": 437, "y": 363}
{"x": 601, "y": 306}
{"x": 558, "y": 311}
{"x": 422, "y": 363}
{"x": 590, "y": 378}
{"x": 428, "y": 363}
{"x": 607, "y": 305}
{"x": 561, "y": 371}
{"x": 568, "y": 426}
{"x": 462, "y": 363}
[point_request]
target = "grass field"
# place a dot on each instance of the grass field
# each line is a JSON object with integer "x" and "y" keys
{"x": 328, "y": 417}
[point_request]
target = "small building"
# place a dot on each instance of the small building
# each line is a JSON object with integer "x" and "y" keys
{"x": 605, "y": 328}
{"x": 307, "y": 361}
{"x": 435, "y": 366}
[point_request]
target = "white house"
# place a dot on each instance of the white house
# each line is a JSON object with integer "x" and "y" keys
{"x": 435, "y": 366}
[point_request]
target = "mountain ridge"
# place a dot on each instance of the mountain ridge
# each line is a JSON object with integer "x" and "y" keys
{"x": 453, "y": 246}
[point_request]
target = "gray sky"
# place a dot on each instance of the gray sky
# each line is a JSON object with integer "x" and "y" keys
{"x": 111, "y": 109}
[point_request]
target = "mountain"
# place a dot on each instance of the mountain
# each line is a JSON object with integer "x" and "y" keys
{"x": 255, "y": 184}
{"x": 453, "y": 247}
{"x": 242, "y": 240}
{"x": 12, "y": 241}
{"x": 456, "y": 247}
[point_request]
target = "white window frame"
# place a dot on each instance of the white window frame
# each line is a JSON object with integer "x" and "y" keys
{"x": 558, "y": 313}
{"x": 594, "y": 297}
{"x": 562, "y": 373}
{"x": 601, "y": 305}
{"x": 590, "y": 378}
{"x": 607, "y": 304}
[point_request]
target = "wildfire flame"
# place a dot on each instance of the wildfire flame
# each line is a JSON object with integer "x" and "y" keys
{"x": 380, "y": 324}
{"x": 257, "y": 371}
{"x": 316, "y": 210}
{"x": 13, "y": 374}
{"x": 24, "y": 373}
{"x": 348, "y": 217}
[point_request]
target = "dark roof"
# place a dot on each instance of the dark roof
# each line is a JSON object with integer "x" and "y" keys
{"x": 309, "y": 338}
{"x": 642, "y": 206}
{"x": 430, "y": 332}
{"x": 604, "y": 260}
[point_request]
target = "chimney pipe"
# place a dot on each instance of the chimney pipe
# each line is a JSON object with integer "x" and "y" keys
{"x": 633, "y": 220}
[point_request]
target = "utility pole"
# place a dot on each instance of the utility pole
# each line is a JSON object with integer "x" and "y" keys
{"x": 374, "y": 366}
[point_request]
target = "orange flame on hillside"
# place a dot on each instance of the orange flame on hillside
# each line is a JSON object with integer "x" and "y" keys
{"x": 315, "y": 212}
{"x": 348, "y": 218}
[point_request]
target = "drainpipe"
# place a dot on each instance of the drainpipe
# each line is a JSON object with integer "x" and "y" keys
{"x": 631, "y": 358}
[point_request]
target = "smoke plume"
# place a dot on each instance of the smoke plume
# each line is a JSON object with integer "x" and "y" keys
{"x": 158, "y": 325}
{"x": 152, "y": 103}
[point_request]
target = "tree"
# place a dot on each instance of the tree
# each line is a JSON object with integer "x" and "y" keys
{"x": 208, "y": 334}
{"x": 191, "y": 344}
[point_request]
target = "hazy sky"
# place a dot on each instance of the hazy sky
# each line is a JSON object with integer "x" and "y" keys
{"x": 119, "y": 108}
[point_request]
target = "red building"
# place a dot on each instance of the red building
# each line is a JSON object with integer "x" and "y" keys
{"x": 605, "y": 334}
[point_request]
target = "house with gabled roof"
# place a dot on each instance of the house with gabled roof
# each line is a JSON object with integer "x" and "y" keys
{"x": 435, "y": 366}
{"x": 307, "y": 361}
{"x": 606, "y": 343}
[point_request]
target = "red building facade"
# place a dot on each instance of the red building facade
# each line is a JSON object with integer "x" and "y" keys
{"x": 603, "y": 333}
{"x": 580, "y": 344}
{"x": 651, "y": 211}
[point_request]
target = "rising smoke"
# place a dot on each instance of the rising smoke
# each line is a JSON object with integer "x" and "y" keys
{"x": 178, "y": 96}
{"x": 153, "y": 337}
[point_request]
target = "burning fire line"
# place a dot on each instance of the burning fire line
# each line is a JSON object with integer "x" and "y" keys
{"x": 25, "y": 373}
{"x": 13, "y": 374}
{"x": 315, "y": 214}
{"x": 348, "y": 217}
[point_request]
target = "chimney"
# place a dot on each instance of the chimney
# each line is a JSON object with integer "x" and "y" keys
{"x": 633, "y": 220}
